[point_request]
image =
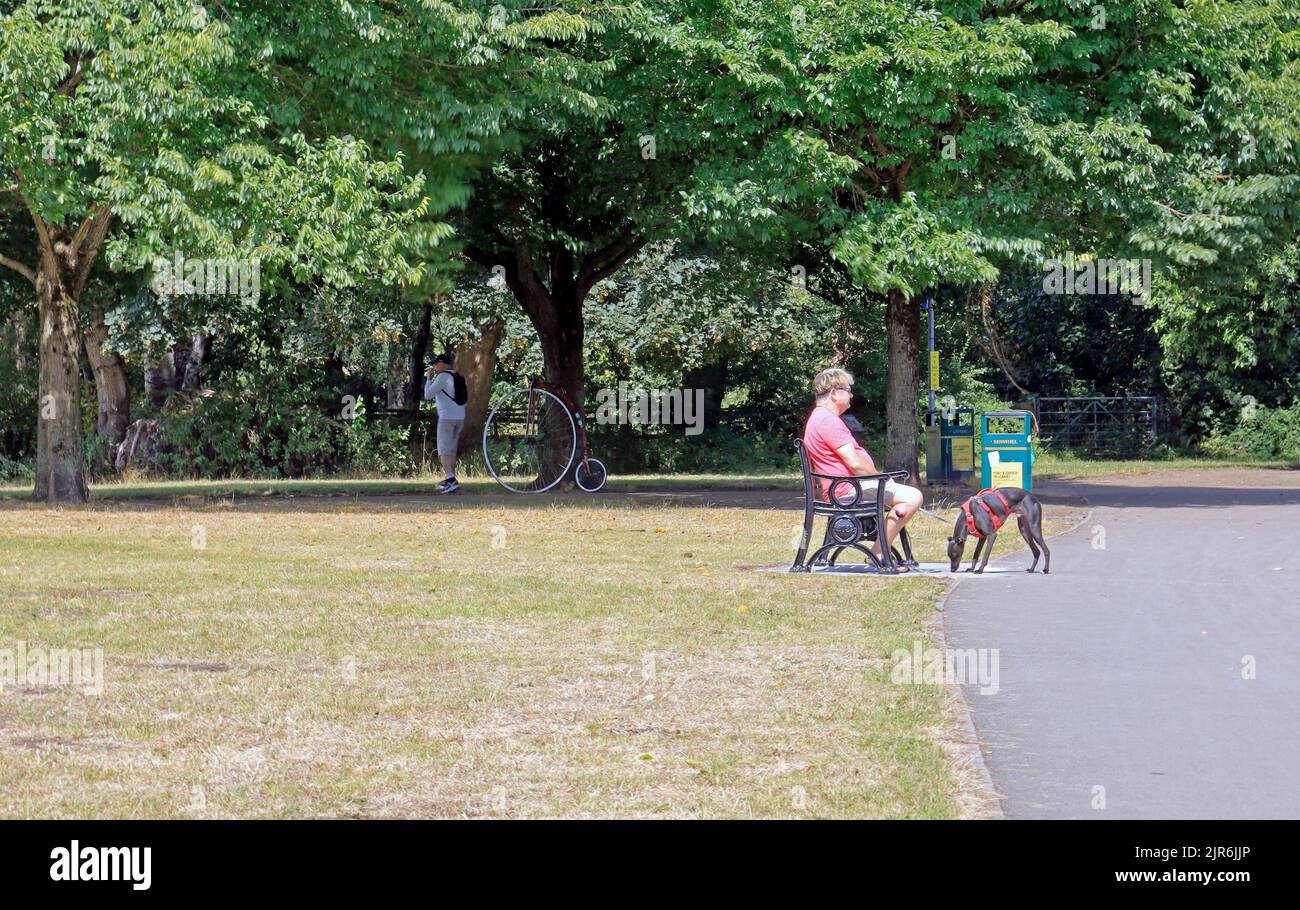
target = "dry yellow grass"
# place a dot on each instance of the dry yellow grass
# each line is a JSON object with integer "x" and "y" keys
{"x": 478, "y": 657}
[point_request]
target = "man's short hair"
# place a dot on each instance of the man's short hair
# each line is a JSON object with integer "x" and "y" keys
{"x": 829, "y": 379}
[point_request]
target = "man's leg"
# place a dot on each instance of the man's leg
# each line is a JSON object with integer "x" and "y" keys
{"x": 907, "y": 502}
{"x": 887, "y": 537}
{"x": 448, "y": 443}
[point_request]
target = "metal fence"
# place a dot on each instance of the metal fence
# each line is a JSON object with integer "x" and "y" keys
{"x": 1099, "y": 425}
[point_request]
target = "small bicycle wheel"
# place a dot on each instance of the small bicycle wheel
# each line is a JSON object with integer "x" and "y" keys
{"x": 529, "y": 441}
{"x": 591, "y": 475}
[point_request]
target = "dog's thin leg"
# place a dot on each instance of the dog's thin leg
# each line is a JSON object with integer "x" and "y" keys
{"x": 979, "y": 547}
{"x": 1036, "y": 527}
{"x": 988, "y": 551}
{"x": 1023, "y": 524}
{"x": 1047, "y": 554}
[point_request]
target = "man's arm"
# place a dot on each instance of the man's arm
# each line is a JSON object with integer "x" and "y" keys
{"x": 856, "y": 459}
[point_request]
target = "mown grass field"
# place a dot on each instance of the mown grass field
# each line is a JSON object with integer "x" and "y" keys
{"x": 478, "y": 656}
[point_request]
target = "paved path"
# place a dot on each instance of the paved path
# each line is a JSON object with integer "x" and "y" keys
{"x": 1123, "y": 669}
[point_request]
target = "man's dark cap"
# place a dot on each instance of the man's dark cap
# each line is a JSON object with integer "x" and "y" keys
{"x": 443, "y": 358}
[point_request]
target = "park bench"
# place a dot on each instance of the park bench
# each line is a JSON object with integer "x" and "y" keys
{"x": 852, "y": 516}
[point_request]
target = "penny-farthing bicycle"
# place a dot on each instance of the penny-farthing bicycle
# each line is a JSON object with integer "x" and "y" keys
{"x": 532, "y": 437}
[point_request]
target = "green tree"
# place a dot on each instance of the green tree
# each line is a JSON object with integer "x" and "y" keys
{"x": 581, "y": 191}
{"x": 975, "y": 135}
{"x": 134, "y": 126}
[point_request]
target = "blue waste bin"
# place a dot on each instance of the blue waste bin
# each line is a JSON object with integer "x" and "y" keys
{"x": 1007, "y": 459}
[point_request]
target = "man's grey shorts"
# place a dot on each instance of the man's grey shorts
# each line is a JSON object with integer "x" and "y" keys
{"x": 448, "y": 436}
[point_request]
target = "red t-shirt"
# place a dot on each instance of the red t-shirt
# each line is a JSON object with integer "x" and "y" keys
{"x": 822, "y": 435}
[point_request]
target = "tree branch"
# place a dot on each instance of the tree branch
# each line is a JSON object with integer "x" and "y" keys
{"x": 525, "y": 276}
{"x": 482, "y": 257}
{"x": 589, "y": 261}
{"x": 75, "y": 78}
{"x": 85, "y": 226}
{"x": 611, "y": 266}
{"x": 91, "y": 234}
{"x": 25, "y": 270}
{"x": 43, "y": 239}
{"x": 881, "y": 150}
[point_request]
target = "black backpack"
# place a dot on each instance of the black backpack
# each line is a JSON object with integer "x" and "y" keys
{"x": 459, "y": 389}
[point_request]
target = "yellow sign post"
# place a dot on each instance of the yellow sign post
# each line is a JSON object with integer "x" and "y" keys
{"x": 934, "y": 371}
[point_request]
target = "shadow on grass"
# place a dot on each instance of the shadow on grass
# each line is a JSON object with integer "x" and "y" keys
{"x": 768, "y": 491}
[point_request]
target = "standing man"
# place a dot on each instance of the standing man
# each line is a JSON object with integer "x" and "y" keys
{"x": 441, "y": 385}
{"x": 833, "y": 450}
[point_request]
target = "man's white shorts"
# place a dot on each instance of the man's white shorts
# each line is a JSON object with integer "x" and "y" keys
{"x": 448, "y": 435}
{"x": 844, "y": 492}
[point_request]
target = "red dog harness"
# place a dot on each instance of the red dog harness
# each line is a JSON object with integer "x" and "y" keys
{"x": 993, "y": 516}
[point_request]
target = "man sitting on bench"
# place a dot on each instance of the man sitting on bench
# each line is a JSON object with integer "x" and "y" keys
{"x": 833, "y": 450}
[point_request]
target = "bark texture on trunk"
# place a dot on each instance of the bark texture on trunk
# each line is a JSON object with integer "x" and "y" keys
{"x": 476, "y": 360}
{"x": 396, "y": 390}
{"x": 20, "y": 340}
{"x": 112, "y": 389}
{"x": 65, "y": 260}
{"x": 903, "y": 332}
{"x": 200, "y": 350}
{"x": 160, "y": 377}
{"x": 560, "y": 327}
{"x": 60, "y": 461}
{"x": 419, "y": 350}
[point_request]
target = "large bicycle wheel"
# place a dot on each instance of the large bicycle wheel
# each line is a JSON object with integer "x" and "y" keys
{"x": 529, "y": 441}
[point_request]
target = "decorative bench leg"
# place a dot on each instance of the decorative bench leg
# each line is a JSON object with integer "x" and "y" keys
{"x": 804, "y": 540}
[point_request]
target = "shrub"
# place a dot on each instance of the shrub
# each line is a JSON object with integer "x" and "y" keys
{"x": 282, "y": 430}
{"x": 1259, "y": 432}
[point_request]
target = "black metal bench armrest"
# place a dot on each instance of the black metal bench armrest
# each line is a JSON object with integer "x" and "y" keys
{"x": 888, "y": 475}
{"x": 857, "y": 481}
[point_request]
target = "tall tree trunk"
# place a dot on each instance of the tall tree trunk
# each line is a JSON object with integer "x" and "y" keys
{"x": 395, "y": 387}
{"x": 20, "y": 339}
{"x": 476, "y": 360}
{"x": 65, "y": 260}
{"x": 557, "y": 317}
{"x": 200, "y": 350}
{"x": 559, "y": 326}
{"x": 903, "y": 332}
{"x": 419, "y": 349}
{"x": 112, "y": 390}
{"x": 60, "y": 462}
{"x": 160, "y": 377}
